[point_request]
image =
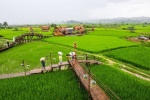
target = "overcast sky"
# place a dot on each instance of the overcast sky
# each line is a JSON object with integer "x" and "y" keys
{"x": 48, "y": 11}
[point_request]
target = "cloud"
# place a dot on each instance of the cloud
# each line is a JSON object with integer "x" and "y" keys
{"x": 47, "y": 11}
{"x": 132, "y": 8}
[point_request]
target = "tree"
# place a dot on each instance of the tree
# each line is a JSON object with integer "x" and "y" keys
{"x": 5, "y": 24}
{"x": 132, "y": 29}
{"x": 53, "y": 25}
{"x": 0, "y": 25}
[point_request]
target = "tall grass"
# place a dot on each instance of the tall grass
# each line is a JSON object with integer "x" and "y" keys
{"x": 127, "y": 87}
{"x": 112, "y": 32}
{"x": 10, "y": 33}
{"x": 138, "y": 56}
{"x": 91, "y": 43}
{"x": 49, "y": 86}
{"x": 11, "y": 59}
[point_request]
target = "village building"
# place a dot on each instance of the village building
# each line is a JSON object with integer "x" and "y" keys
{"x": 60, "y": 31}
{"x": 45, "y": 28}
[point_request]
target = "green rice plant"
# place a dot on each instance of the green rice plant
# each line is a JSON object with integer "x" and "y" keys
{"x": 138, "y": 56}
{"x": 126, "y": 86}
{"x": 60, "y": 85}
{"x": 112, "y": 32}
{"x": 10, "y": 33}
{"x": 10, "y": 60}
{"x": 91, "y": 43}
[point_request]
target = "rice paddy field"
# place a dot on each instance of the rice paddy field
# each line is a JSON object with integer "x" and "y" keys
{"x": 49, "y": 86}
{"x": 10, "y": 33}
{"x": 107, "y": 42}
{"x": 138, "y": 56}
{"x": 91, "y": 43}
{"x": 127, "y": 87}
{"x": 31, "y": 53}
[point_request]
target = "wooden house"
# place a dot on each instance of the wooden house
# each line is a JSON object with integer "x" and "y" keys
{"x": 45, "y": 28}
{"x": 79, "y": 29}
{"x": 60, "y": 31}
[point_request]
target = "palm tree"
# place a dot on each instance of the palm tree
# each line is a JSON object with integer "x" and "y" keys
{"x": 5, "y": 24}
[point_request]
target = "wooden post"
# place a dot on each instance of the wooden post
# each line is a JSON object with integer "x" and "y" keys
{"x": 24, "y": 67}
{"x": 94, "y": 60}
{"x": 75, "y": 46}
{"x": 86, "y": 58}
{"x": 89, "y": 86}
{"x": 51, "y": 59}
{"x": 59, "y": 67}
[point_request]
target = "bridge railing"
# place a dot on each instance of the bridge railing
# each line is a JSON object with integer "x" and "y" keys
{"x": 87, "y": 57}
{"x": 106, "y": 89}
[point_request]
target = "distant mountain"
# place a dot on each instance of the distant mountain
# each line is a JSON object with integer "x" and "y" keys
{"x": 121, "y": 20}
{"x": 73, "y": 22}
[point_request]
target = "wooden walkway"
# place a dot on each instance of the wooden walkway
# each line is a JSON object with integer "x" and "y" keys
{"x": 36, "y": 71}
{"x": 95, "y": 91}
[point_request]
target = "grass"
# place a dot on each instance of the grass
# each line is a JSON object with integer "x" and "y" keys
{"x": 112, "y": 32}
{"x": 137, "y": 56}
{"x": 126, "y": 86}
{"x": 31, "y": 53}
{"x": 10, "y": 33}
{"x": 3, "y": 42}
{"x": 61, "y": 85}
{"x": 49, "y": 86}
{"x": 91, "y": 43}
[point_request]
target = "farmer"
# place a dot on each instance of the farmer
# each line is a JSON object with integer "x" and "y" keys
{"x": 14, "y": 39}
{"x": 72, "y": 54}
{"x": 60, "y": 57}
{"x": 43, "y": 63}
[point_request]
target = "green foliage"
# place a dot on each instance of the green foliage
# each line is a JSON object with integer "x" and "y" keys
{"x": 49, "y": 86}
{"x": 91, "y": 43}
{"x": 112, "y": 32}
{"x": 0, "y": 25}
{"x": 132, "y": 29}
{"x": 10, "y": 33}
{"x": 53, "y": 87}
{"x": 88, "y": 26}
{"x": 5, "y": 24}
{"x": 16, "y": 29}
{"x": 30, "y": 53}
{"x": 127, "y": 87}
{"x": 53, "y": 25}
{"x": 138, "y": 56}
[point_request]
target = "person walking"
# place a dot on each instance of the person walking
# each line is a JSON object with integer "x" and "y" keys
{"x": 43, "y": 63}
{"x": 60, "y": 57}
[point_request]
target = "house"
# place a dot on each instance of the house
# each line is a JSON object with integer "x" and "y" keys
{"x": 45, "y": 28}
{"x": 79, "y": 29}
{"x": 60, "y": 31}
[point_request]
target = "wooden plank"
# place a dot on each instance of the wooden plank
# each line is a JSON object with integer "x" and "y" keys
{"x": 95, "y": 91}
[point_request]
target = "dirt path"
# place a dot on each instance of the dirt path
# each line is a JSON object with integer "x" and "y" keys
{"x": 123, "y": 67}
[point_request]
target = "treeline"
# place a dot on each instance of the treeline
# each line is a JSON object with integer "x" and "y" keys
{"x": 4, "y": 25}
